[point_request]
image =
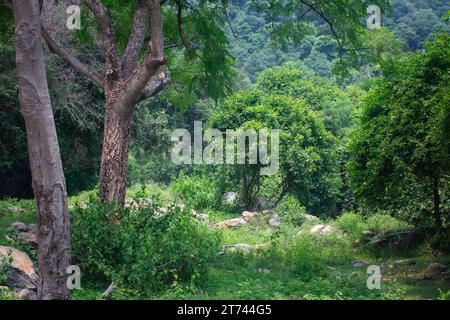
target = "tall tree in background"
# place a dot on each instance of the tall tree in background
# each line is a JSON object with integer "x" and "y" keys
{"x": 49, "y": 185}
{"x": 400, "y": 153}
{"x": 196, "y": 29}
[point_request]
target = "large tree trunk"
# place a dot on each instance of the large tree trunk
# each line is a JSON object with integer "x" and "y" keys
{"x": 46, "y": 168}
{"x": 114, "y": 163}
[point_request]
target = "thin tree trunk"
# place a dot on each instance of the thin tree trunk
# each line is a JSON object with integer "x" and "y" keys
{"x": 437, "y": 204}
{"x": 114, "y": 162}
{"x": 46, "y": 168}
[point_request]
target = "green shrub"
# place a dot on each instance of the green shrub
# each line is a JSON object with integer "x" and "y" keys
{"x": 139, "y": 249}
{"x": 352, "y": 223}
{"x": 199, "y": 192}
{"x": 291, "y": 210}
{"x": 310, "y": 254}
{"x": 441, "y": 242}
{"x": 381, "y": 222}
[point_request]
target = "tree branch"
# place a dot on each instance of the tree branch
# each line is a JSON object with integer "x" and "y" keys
{"x": 136, "y": 40}
{"x": 152, "y": 62}
{"x": 68, "y": 57}
{"x": 156, "y": 84}
{"x": 109, "y": 42}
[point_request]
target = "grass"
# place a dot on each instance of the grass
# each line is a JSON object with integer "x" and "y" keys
{"x": 295, "y": 266}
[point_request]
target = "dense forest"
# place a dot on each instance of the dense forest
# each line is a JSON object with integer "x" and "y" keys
{"x": 362, "y": 120}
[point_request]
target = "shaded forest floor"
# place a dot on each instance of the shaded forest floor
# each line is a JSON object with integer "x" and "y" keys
{"x": 280, "y": 275}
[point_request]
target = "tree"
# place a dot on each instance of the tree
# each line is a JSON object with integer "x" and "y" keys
{"x": 400, "y": 152}
{"x": 308, "y": 167}
{"x": 45, "y": 160}
{"x": 199, "y": 28}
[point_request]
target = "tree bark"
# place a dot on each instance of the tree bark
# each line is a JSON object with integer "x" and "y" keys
{"x": 114, "y": 162}
{"x": 45, "y": 161}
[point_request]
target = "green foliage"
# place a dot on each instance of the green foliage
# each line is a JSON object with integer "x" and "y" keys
{"x": 352, "y": 224}
{"x": 139, "y": 249}
{"x": 399, "y": 154}
{"x": 384, "y": 222}
{"x": 310, "y": 254}
{"x": 290, "y": 210}
{"x": 308, "y": 159}
{"x": 441, "y": 242}
{"x": 5, "y": 268}
{"x": 199, "y": 192}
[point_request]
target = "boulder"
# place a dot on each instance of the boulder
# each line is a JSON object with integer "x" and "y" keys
{"x": 231, "y": 223}
{"x": 434, "y": 271}
{"x": 275, "y": 221}
{"x": 240, "y": 247}
{"x": 321, "y": 229}
{"x": 23, "y": 274}
{"x": 398, "y": 241}
{"x": 248, "y": 216}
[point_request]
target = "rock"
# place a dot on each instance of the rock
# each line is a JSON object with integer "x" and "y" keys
{"x": 312, "y": 219}
{"x": 248, "y": 216}
{"x": 358, "y": 263}
{"x": 321, "y": 229}
{"x": 230, "y": 198}
{"x": 231, "y": 223}
{"x": 19, "y": 226}
{"x": 399, "y": 241}
{"x": 434, "y": 271}
{"x": 240, "y": 247}
{"x": 264, "y": 270}
{"x": 275, "y": 221}
{"x": 29, "y": 238}
{"x": 23, "y": 275}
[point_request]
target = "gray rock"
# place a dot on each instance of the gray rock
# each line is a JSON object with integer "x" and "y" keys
{"x": 434, "y": 271}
